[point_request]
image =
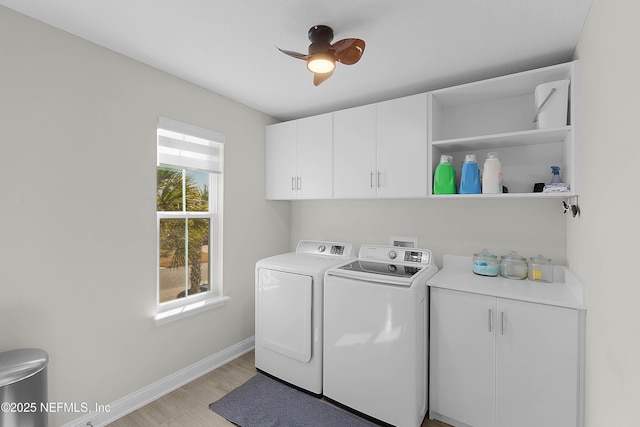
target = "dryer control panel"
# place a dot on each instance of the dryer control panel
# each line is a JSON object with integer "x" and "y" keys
{"x": 316, "y": 247}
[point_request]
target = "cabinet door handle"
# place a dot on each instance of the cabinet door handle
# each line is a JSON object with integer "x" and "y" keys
{"x": 371, "y": 179}
{"x": 379, "y": 174}
{"x": 299, "y": 183}
{"x": 293, "y": 183}
{"x": 490, "y": 320}
{"x": 502, "y": 317}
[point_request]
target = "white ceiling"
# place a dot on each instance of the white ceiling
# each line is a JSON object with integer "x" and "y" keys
{"x": 412, "y": 46}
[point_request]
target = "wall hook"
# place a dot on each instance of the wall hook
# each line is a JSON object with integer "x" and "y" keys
{"x": 567, "y": 205}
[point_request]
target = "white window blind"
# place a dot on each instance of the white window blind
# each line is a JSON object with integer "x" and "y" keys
{"x": 190, "y": 147}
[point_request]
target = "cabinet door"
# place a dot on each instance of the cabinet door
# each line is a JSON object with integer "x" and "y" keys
{"x": 462, "y": 357}
{"x": 402, "y": 147}
{"x": 354, "y": 145}
{"x": 280, "y": 163}
{"x": 314, "y": 157}
{"x": 537, "y": 359}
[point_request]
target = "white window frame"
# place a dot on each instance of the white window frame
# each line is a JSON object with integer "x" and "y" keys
{"x": 192, "y": 304}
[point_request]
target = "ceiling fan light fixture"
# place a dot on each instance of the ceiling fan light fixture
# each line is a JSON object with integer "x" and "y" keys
{"x": 322, "y": 55}
{"x": 320, "y": 63}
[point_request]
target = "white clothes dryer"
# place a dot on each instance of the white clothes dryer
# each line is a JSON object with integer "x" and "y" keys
{"x": 289, "y": 297}
{"x": 375, "y": 333}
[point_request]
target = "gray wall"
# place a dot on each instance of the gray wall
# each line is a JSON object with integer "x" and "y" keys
{"x": 78, "y": 259}
{"x": 460, "y": 227}
{"x": 602, "y": 245}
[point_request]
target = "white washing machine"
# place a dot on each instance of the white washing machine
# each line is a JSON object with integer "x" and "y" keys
{"x": 289, "y": 290}
{"x": 375, "y": 333}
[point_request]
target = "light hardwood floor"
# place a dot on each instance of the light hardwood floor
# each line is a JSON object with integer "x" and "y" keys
{"x": 188, "y": 406}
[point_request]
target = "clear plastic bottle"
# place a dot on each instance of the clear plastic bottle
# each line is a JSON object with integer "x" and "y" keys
{"x": 556, "y": 178}
{"x": 556, "y": 185}
{"x": 492, "y": 175}
{"x": 470, "y": 176}
{"x": 444, "y": 178}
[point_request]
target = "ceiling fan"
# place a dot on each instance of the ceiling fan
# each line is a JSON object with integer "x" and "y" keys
{"x": 322, "y": 57}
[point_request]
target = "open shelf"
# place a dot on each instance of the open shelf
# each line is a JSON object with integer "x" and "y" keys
{"x": 496, "y": 115}
{"x": 504, "y": 196}
{"x": 509, "y": 139}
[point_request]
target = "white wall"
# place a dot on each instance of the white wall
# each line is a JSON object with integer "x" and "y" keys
{"x": 77, "y": 182}
{"x": 459, "y": 227}
{"x": 603, "y": 242}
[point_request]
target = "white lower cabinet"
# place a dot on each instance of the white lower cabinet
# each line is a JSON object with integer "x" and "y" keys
{"x": 462, "y": 367}
{"x": 503, "y": 362}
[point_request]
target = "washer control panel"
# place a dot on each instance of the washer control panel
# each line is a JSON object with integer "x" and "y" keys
{"x": 395, "y": 253}
{"x": 420, "y": 256}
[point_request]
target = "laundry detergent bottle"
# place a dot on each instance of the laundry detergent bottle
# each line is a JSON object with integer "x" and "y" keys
{"x": 444, "y": 178}
{"x": 470, "y": 176}
{"x": 492, "y": 175}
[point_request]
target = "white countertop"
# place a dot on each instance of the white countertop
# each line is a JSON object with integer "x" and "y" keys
{"x": 457, "y": 274}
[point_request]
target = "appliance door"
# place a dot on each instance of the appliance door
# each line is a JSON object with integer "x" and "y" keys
{"x": 283, "y": 318}
{"x": 375, "y": 348}
{"x": 384, "y": 273}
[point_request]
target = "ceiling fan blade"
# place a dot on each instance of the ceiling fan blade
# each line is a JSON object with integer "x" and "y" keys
{"x": 319, "y": 78}
{"x": 294, "y": 54}
{"x": 348, "y": 51}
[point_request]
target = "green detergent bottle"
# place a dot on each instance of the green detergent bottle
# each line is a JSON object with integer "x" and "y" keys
{"x": 444, "y": 179}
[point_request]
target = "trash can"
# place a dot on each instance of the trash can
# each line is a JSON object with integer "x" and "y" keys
{"x": 23, "y": 388}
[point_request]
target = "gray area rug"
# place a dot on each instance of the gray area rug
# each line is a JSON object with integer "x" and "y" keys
{"x": 263, "y": 401}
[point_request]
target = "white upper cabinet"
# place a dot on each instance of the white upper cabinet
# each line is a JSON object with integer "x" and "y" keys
{"x": 402, "y": 147}
{"x": 391, "y": 149}
{"x": 315, "y": 155}
{"x": 498, "y": 115}
{"x": 354, "y": 152}
{"x": 281, "y": 168}
{"x": 299, "y": 159}
{"x": 380, "y": 150}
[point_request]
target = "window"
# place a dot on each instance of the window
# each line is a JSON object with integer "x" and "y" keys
{"x": 188, "y": 203}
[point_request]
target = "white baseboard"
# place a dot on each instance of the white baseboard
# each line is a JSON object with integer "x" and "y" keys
{"x": 138, "y": 399}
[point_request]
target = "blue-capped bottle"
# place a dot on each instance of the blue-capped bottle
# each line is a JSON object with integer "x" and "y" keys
{"x": 470, "y": 176}
{"x": 555, "y": 171}
{"x": 556, "y": 185}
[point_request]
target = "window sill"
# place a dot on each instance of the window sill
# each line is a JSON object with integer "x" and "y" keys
{"x": 188, "y": 309}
